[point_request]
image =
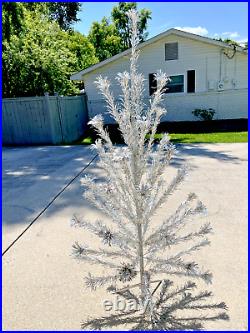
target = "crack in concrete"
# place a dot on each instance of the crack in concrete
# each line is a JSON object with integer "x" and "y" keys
{"x": 48, "y": 205}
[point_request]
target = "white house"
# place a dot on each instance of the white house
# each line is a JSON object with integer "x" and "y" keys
{"x": 205, "y": 73}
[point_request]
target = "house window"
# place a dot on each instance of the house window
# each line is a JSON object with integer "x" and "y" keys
{"x": 152, "y": 83}
{"x": 191, "y": 81}
{"x": 171, "y": 51}
{"x": 176, "y": 84}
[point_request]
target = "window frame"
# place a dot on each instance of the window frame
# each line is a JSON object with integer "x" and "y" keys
{"x": 184, "y": 85}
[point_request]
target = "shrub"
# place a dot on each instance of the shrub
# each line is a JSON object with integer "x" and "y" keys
{"x": 204, "y": 114}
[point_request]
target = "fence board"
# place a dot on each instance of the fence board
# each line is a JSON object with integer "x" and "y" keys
{"x": 43, "y": 120}
{"x": 72, "y": 117}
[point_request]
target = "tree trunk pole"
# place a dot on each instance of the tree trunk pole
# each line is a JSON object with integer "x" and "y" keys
{"x": 141, "y": 255}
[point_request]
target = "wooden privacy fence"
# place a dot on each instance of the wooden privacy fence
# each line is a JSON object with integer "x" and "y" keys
{"x": 43, "y": 120}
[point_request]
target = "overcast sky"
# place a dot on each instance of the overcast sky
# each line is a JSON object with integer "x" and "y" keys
{"x": 211, "y": 19}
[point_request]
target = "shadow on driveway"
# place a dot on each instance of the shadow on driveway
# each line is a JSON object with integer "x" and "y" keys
{"x": 32, "y": 177}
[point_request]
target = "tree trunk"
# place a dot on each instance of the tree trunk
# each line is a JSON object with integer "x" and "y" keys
{"x": 141, "y": 260}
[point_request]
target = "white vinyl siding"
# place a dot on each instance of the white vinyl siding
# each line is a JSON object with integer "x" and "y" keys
{"x": 203, "y": 58}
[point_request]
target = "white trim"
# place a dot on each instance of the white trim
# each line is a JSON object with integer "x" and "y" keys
{"x": 79, "y": 75}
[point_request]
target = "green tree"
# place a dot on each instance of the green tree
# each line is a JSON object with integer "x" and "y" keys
{"x": 112, "y": 37}
{"x": 82, "y": 48}
{"x": 12, "y": 19}
{"x": 231, "y": 42}
{"x": 105, "y": 39}
{"x": 64, "y": 13}
{"x": 120, "y": 20}
{"x": 42, "y": 58}
{"x": 228, "y": 41}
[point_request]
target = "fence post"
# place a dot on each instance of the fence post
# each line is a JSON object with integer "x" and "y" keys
{"x": 51, "y": 121}
{"x": 59, "y": 112}
{"x": 85, "y": 108}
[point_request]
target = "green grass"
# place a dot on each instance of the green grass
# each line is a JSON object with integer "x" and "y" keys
{"x": 86, "y": 141}
{"x": 220, "y": 137}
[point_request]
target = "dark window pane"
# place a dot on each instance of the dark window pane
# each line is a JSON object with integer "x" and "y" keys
{"x": 174, "y": 89}
{"x": 178, "y": 79}
{"x": 176, "y": 84}
{"x": 152, "y": 83}
{"x": 191, "y": 81}
{"x": 171, "y": 51}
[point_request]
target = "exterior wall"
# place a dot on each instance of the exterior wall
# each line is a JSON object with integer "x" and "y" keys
{"x": 229, "y": 104}
{"x": 210, "y": 65}
{"x": 43, "y": 120}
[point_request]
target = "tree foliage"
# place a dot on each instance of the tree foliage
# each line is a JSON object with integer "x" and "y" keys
{"x": 64, "y": 13}
{"x": 110, "y": 37}
{"x": 41, "y": 50}
{"x": 120, "y": 21}
{"x": 12, "y": 17}
{"x": 39, "y": 56}
{"x": 83, "y": 49}
{"x": 228, "y": 41}
{"x": 105, "y": 39}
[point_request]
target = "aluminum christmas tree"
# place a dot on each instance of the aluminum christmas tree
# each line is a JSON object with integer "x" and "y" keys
{"x": 137, "y": 257}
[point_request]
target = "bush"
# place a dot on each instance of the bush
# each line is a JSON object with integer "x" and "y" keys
{"x": 204, "y": 114}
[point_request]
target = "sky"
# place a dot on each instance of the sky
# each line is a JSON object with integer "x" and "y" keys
{"x": 210, "y": 19}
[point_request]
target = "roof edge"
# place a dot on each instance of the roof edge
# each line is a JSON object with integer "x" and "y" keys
{"x": 78, "y": 75}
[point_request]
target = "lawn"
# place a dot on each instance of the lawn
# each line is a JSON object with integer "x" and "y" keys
{"x": 219, "y": 137}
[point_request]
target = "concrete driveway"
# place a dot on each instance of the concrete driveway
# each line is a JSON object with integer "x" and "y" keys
{"x": 32, "y": 177}
{"x": 43, "y": 286}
